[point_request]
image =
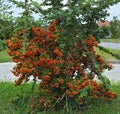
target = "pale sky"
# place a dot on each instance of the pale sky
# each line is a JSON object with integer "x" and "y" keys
{"x": 113, "y": 10}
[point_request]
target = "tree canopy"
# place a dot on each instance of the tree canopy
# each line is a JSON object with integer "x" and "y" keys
{"x": 6, "y": 22}
{"x": 81, "y": 15}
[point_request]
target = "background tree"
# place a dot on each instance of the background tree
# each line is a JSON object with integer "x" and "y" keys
{"x": 9, "y": 25}
{"x": 115, "y": 28}
{"x": 84, "y": 13}
{"x": 104, "y": 32}
{"x": 6, "y": 23}
{"x": 25, "y": 20}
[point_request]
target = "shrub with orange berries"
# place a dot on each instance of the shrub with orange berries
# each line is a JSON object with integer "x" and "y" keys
{"x": 44, "y": 57}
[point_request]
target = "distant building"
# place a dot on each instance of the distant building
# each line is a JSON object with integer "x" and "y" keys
{"x": 105, "y": 23}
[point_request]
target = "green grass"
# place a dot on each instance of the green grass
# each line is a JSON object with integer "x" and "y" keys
{"x": 104, "y": 55}
{"x": 10, "y": 93}
{"x": 4, "y": 57}
{"x": 111, "y": 54}
{"x": 111, "y": 40}
{"x": 106, "y": 107}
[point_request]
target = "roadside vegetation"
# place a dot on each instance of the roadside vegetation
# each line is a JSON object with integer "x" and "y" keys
{"x": 4, "y": 57}
{"x": 15, "y": 99}
{"x": 108, "y": 53}
{"x": 111, "y": 40}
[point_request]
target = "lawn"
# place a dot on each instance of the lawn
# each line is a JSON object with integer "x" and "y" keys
{"x": 108, "y": 53}
{"x": 9, "y": 95}
{"x": 4, "y": 57}
{"x": 111, "y": 40}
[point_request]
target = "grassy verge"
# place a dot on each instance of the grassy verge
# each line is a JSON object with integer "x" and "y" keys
{"x": 14, "y": 100}
{"x": 108, "y": 53}
{"x": 106, "y": 107}
{"x": 111, "y": 40}
{"x": 4, "y": 57}
{"x": 104, "y": 55}
{"x": 10, "y": 93}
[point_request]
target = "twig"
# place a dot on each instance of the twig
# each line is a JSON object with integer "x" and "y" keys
{"x": 59, "y": 99}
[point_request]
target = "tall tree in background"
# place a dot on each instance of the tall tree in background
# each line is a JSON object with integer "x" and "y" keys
{"x": 9, "y": 25}
{"x": 80, "y": 15}
{"x": 6, "y": 20}
{"x": 6, "y": 23}
{"x": 115, "y": 28}
{"x": 25, "y": 20}
{"x": 84, "y": 13}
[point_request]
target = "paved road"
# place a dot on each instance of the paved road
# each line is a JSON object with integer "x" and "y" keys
{"x": 110, "y": 45}
{"x": 6, "y": 75}
{"x": 114, "y": 74}
{"x": 5, "y": 72}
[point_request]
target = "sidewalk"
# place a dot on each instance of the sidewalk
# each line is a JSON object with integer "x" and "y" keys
{"x": 6, "y": 75}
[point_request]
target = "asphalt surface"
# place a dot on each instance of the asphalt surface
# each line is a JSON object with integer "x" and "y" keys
{"x": 114, "y": 73}
{"x": 110, "y": 45}
{"x": 6, "y": 75}
{"x": 5, "y": 72}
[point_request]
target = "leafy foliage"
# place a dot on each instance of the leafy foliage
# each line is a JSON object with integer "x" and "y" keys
{"x": 115, "y": 28}
{"x": 61, "y": 53}
{"x": 45, "y": 60}
{"x": 9, "y": 25}
{"x": 6, "y": 23}
{"x": 104, "y": 32}
{"x": 6, "y": 20}
{"x": 80, "y": 15}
